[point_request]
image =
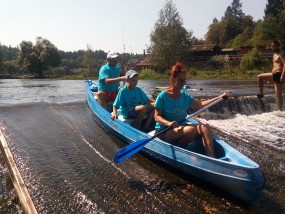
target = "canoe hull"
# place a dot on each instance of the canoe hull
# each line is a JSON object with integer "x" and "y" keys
{"x": 231, "y": 171}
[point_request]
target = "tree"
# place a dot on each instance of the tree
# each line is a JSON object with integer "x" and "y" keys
{"x": 39, "y": 57}
{"x": 213, "y": 34}
{"x": 233, "y": 23}
{"x": 170, "y": 41}
{"x": 258, "y": 39}
{"x": 90, "y": 60}
{"x": 274, "y": 7}
{"x": 243, "y": 39}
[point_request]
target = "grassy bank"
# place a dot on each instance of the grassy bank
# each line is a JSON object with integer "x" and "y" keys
{"x": 149, "y": 74}
{"x": 202, "y": 75}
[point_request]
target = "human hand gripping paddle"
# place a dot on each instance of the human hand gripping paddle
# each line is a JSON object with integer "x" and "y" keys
{"x": 135, "y": 147}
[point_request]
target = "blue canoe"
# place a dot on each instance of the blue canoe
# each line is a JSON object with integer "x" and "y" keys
{"x": 231, "y": 171}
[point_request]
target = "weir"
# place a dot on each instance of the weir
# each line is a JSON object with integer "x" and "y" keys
{"x": 245, "y": 105}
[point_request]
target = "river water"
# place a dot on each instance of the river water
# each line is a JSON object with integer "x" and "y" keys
{"x": 66, "y": 158}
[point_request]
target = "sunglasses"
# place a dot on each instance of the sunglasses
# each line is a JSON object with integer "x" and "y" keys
{"x": 182, "y": 80}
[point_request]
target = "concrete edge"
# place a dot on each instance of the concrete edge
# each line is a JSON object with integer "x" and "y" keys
{"x": 24, "y": 196}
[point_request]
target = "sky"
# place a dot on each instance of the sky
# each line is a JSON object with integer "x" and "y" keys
{"x": 112, "y": 25}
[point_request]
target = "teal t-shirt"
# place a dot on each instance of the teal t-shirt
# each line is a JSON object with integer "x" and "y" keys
{"x": 129, "y": 99}
{"x": 108, "y": 71}
{"x": 173, "y": 109}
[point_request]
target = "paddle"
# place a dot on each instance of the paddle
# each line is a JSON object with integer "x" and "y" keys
{"x": 135, "y": 147}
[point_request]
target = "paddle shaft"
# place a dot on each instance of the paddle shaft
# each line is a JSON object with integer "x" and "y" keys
{"x": 135, "y": 147}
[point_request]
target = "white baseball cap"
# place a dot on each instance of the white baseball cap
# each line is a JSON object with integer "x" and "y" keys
{"x": 112, "y": 55}
{"x": 131, "y": 73}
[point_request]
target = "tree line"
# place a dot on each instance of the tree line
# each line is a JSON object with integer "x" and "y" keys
{"x": 43, "y": 59}
{"x": 170, "y": 42}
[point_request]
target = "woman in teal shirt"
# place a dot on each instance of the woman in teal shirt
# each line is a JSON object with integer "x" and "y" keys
{"x": 171, "y": 106}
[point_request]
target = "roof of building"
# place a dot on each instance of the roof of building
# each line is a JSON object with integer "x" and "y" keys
{"x": 208, "y": 47}
{"x": 230, "y": 49}
{"x": 144, "y": 63}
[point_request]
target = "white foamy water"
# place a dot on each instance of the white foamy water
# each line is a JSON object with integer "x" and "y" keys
{"x": 267, "y": 128}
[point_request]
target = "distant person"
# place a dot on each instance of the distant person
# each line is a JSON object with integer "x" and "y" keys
{"x": 171, "y": 107}
{"x": 277, "y": 75}
{"x": 133, "y": 102}
{"x": 109, "y": 80}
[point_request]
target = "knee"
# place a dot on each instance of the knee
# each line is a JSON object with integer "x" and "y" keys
{"x": 259, "y": 77}
{"x": 206, "y": 128}
{"x": 191, "y": 131}
{"x": 141, "y": 109}
{"x": 99, "y": 94}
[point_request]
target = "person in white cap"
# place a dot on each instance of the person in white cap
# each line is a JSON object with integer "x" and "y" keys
{"x": 133, "y": 102}
{"x": 109, "y": 80}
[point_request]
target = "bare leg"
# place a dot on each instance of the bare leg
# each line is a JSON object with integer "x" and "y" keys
{"x": 207, "y": 139}
{"x": 278, "y": 92}
{"x": 148, "y": 119}
{"x": 141, "y": 111}
{"x": 101, "y": 98}
{"x": 261, "y": 78}
{"x": 181, "y": 136}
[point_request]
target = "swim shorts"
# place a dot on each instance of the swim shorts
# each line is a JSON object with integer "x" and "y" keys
{"x": 131, "y": 113}
{"x": 111, "y": 96}
{"x": 276, "y": 77}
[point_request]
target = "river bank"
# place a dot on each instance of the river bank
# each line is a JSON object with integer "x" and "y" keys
{"x": 149, "y": 74}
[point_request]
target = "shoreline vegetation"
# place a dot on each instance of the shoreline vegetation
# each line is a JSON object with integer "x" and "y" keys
{"x": 149, "y": 74}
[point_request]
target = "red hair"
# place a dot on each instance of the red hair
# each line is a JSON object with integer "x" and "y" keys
{"x": 177, "y": 69}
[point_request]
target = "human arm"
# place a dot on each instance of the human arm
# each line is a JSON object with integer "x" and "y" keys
{"x": 152, "y": 101}
{"x": 111, "y": 81}
{"x": 158, "y": 118}
{"x": 200, "y": 104}
{"x": 282, "y": 77}
{"x": 114, "y": 113}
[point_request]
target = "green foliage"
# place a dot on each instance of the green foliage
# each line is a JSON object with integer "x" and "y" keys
{"x": 151, "y": 74}
{"x": 170, "y": 41}
{"x": 232, "y": 24}
{"x": 90, "y": 60}
{"x": 39, "y": 57}
{"x": 243, "y": 39}
{"x": 274, "y": 7}
{"x": 11, "y": 68}
{"x": 252, "y": 60}
{"x": 218, "y": 62}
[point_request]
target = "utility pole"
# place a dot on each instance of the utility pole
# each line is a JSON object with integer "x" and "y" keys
{"x": 123, "y": 62}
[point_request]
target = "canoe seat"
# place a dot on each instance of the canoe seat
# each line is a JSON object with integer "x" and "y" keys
{"x": 126, "y": 120}
{"x": 129, "y": 121}
{"x": 152, "y": 133}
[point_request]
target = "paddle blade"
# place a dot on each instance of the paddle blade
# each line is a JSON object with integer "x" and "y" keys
{"x": 130, "y": 150}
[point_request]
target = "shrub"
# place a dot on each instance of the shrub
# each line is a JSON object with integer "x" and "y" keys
{"x": 151, "y": 74}
{"x": 252, "y": 60}
{"x": 218, "y": 62}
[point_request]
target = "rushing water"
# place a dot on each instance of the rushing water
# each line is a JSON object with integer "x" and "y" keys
{"x": 66, "y": 158}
